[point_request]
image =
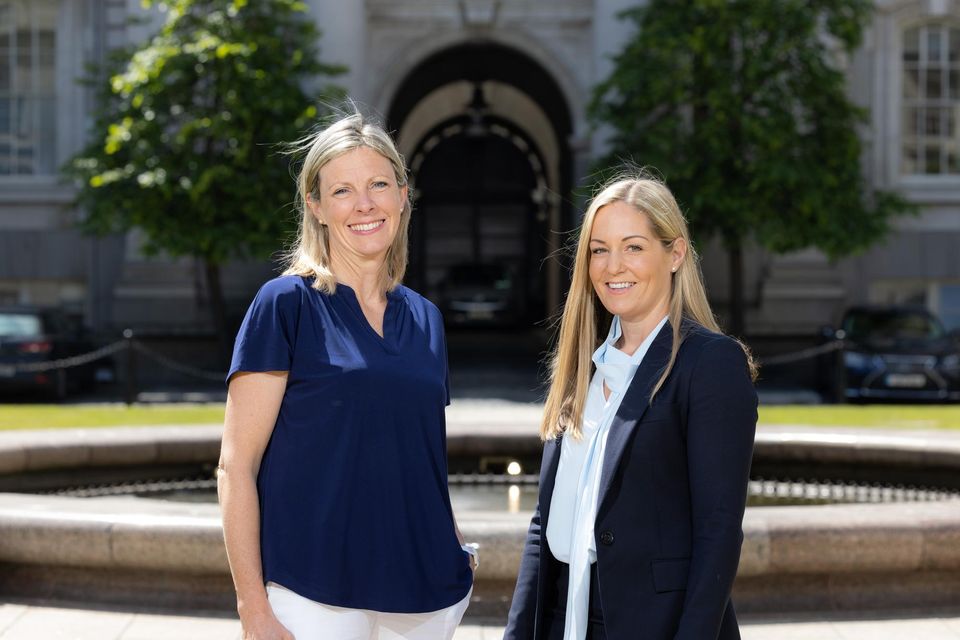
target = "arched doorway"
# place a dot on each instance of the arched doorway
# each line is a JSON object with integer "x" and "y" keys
{"x": 486, "y": 133}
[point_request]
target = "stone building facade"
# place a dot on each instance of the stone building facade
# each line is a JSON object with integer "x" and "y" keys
{"x": 488, "y": 102}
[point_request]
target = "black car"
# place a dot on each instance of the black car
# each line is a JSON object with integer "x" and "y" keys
{"x": 480, "y": 294}
{"x": 897, "y": 353}
{"x": 30, "y": 335}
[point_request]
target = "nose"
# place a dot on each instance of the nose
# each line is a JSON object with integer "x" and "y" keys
{"x": 614, "y": 262}
{"x": 364, "y": 202}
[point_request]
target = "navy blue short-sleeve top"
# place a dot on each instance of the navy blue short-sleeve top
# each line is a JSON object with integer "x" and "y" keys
{"x": 354, "y": 505}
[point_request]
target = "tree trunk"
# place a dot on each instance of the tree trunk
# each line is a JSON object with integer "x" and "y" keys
{"x": 218, "y": 312}
{"x": 736, "y": 313}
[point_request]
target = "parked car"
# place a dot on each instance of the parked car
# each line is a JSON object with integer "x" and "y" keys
{"x": 480, "y": 294}
{"x": 32, "y": 334}
{"x": 897, "y": 353}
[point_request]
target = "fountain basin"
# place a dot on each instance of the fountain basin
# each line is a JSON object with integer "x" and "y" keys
{"x": 118, "y": 549}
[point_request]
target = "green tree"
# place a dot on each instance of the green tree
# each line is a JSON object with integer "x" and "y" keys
{"x": 741, "y": 105}
{"x": 183, "y": 145}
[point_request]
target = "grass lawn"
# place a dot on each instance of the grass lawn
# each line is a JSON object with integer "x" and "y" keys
{"x": 54, "y": 416}
{"x": 899, "y": 416}
{"x": 47, "y": 416}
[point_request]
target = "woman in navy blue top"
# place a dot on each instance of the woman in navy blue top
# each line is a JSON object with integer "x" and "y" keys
{"x": 333, "y": 474}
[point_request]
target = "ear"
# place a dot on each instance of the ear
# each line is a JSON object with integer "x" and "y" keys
{"x": 403, "y": 198}
{"x": 678, "y": 252}
{"x": 314, "y": 207}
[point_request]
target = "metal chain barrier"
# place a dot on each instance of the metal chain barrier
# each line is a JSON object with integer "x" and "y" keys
{"x": 803, "y": 354}
{"x": 103, "y": 352}
{"x": 63, "y": 363}
{"x": 179, "y": 367}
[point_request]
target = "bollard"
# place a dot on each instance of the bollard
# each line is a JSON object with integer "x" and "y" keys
{"x": 130, "y": 388}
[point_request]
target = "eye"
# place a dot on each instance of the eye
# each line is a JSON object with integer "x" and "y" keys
{"x": 598, "y": 250}
{"x": 340, "y": 191}
{"x": 634, "y": 247}
{"x": 380, "y": 184}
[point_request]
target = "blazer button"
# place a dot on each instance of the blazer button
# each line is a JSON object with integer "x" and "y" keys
{"x": 606, "y": 537}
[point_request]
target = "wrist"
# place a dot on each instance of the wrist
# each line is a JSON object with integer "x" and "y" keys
{"x": 472, "y": 550}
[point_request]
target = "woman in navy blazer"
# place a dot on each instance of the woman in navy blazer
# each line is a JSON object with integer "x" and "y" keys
{"x": 669, "y": 486}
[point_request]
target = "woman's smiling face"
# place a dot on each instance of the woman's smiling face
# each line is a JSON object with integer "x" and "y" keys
{"x": 630, "y": 268}
{"x": 360, "y": 203}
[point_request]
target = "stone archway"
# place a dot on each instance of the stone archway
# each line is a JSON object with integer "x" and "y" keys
{"x": 486, "y": 132}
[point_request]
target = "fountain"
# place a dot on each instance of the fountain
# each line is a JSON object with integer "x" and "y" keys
{"x": 129, "y": 550}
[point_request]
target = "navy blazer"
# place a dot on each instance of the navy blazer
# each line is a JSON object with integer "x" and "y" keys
{"x": 672, "y": 494}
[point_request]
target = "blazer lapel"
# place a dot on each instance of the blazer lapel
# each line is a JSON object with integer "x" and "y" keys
{"x": 634, "y": 405}
{"x": 548, "y": 476}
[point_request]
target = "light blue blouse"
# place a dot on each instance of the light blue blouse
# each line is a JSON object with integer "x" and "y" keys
{"x": 573, "y": 507}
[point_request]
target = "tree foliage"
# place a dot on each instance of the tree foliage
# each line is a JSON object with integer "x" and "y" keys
{"x": 183, "y": 146}
{"x": 742, "y": 106}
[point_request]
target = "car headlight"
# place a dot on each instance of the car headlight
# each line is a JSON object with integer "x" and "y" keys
{"x": 856, "y": 360}
{"x": 951, "y": 361}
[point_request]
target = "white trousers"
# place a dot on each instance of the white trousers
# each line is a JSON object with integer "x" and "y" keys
{"x": 309, "y": 620}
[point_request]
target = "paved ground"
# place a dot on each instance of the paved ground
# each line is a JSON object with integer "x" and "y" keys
{"x": 32, "y": 621}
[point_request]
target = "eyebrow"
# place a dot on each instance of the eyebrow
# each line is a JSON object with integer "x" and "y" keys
{"x": 624, "y": 238}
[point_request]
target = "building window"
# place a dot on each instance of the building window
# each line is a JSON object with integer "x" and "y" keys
{"x": 931, "y": 100}
{"x": 27, "y": 82}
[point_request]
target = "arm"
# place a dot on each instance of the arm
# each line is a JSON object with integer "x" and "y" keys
{"x": 253, "y": 402}
{"x": 721, "y": 423}
{"x": 523, "y": 609}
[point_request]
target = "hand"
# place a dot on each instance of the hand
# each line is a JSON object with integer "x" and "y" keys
{"x": 473, "y": 564}
{"x": 264, "y": 627}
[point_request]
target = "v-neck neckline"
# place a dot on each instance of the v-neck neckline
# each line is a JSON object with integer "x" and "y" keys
{"x": 361, "y": 316}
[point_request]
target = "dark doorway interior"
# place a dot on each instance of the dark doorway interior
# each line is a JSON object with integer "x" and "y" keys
{"x": 476, "y": 238}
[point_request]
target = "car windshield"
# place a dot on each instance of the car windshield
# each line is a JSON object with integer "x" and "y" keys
{"x": 891, "y": 325}
{"x": 19, "y": 325}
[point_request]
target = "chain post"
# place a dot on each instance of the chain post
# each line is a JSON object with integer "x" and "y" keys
{"x": 130, "y": 388}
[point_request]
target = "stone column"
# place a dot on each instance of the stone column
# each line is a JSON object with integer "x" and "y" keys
{"x": 343, "y": 40}
{"x": 610, "y": 33}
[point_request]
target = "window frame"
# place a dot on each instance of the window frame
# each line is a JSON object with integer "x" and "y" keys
{"x": 43, "y": 143}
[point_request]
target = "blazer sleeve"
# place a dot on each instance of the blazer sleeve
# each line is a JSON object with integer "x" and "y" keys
{"x": 720, "y": 428}
{"x": 522, "y": 617}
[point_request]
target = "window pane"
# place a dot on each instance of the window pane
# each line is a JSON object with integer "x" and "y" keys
{"x": 933, "y": 84}
{"x": 954, "y": 45}
{"x": 911, "y": 45}
{"x": 28, "y": 86}
{"x": 934, "y": 44}
{"x": 6, "y": 136}
{"x": 910, "y": 164}
{"x": 911, "y": 83}
{"x": 953, "y": 82}
{"x": 45, "y": 140}
{"x": 931, "y": 122}
{"x": 953, "y": 159}
{"x": 4, "y": 65}
{"x": 949, "y": 122}
{"x": 932, "y": 159}
{"x": 910, "y": 119}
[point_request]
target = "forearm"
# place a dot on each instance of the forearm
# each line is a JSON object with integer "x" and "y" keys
{"x": 240, "y": 510}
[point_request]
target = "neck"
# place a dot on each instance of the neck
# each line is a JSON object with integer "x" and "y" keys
{"x": 635, "y": 330}
{"x": 364, "y": 277}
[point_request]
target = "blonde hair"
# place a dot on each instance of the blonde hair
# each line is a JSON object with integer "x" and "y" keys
{"x": 571, "y": 359}
{"x": 310, "y": 254}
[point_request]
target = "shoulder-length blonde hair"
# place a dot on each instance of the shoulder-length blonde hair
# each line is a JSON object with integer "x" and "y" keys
{"x": 310, "y": 254}
{"x": 571, "y": 359}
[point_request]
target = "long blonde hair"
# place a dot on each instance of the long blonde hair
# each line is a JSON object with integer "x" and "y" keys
{"x": 571, "y": 359}
{"x": 310, "y": 254}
